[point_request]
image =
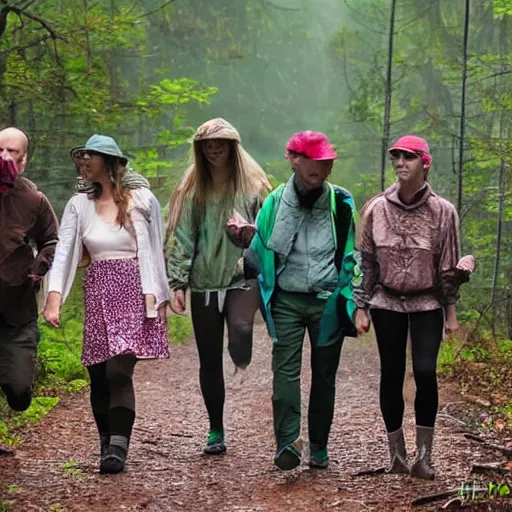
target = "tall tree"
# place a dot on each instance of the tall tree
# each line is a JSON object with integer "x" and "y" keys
{"x": 386, "y": 125}
{"x": 463, "y": 106}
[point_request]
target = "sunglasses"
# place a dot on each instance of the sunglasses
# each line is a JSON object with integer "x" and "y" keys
{"x": 396, "y": 154}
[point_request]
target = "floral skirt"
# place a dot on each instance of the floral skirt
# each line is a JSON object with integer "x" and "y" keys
{"x": 115, "y": 315}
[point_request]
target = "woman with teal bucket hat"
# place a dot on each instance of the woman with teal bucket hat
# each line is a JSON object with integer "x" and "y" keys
{"x": 118, "y": 222}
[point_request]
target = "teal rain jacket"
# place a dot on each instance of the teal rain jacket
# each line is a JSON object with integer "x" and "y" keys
{"x": 337, "y": 320}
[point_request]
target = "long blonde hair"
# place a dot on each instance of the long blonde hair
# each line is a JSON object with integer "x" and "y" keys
{"x": 247, "y": 177}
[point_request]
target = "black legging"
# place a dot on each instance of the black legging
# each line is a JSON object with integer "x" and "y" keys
{"x": 391, "y": 330}
{"x": 239, "y": 309}
{"x": 113, "y": 396}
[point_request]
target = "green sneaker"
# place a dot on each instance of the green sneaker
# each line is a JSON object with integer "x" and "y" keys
{"x": 318, "y": 458}
{"x": 215, "y": 444}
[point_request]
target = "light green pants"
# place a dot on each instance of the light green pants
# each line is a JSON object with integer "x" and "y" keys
{"x": 293, "y": 313}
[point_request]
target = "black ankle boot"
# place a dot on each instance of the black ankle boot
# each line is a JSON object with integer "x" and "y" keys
{"x": 115, "y": 457}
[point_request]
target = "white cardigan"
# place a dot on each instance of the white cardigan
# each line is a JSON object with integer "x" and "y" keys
{"x": 147, "y": 223}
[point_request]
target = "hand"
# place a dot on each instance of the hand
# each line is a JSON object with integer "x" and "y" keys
{"x": 51, "y": 311}
{"x": 467, "y": 263}
{"x": 361, "y": 321}
{"x": 52, "y": 315}
{"x": 239, "y": 230}
{"x": 236, "y": 220}
{"x": 162, "y": 312}
{"x": 241, "y": 235}
{"x": 178, "y": 302}
{"x": 35, "y": 278}
{"x": 451, "y": 324}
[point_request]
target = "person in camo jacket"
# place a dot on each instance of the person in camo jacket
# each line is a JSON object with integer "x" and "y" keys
{"x": 411, "y": 278}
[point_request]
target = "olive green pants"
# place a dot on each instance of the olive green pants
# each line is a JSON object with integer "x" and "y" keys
{"x": 293, "y": 313}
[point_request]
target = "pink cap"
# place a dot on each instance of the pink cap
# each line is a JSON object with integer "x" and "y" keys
{"x": 313, "y": 145}
{"x": 414, "y": 144}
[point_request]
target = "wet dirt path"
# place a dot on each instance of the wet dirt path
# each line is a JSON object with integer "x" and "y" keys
{"x": 55, "y": 468}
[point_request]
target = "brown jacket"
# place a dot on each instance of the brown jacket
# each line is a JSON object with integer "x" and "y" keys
{"x": 409, "y": 252}
{"x": 28, "y": 235}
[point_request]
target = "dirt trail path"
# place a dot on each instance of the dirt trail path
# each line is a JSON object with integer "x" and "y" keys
{"x": 167, "y": 471}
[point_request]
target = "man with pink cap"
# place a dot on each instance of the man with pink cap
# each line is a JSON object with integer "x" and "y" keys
{"x": 303, "y": 253}
{"x": 411, "y": 279}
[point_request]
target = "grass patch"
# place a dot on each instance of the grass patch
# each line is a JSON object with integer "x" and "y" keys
{"x": 72, "y": 468}
{"x": 6, "y": 436}
{"x": 447, "y": 355}
{"x": 39, "y": 408}
{"x": 180, "y": 328}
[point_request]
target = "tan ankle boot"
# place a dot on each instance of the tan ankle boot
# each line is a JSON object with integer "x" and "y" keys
{"x": 397, "y": 452}
{"x": 422, "y": 467}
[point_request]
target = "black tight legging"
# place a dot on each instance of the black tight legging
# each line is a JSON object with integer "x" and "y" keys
{"x": 391, "y": 330}
{"x": 239, "y": 309}
{"x": 113, "y": 396}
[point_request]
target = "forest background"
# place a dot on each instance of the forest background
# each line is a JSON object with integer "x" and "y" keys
{"x": 148, "y": 72}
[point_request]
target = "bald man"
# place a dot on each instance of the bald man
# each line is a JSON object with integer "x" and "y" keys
{"x": 28, "y": 235}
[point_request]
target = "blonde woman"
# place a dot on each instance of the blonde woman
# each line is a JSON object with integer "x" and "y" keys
{"x": 125, "y": 287}
{"x": 223, "y": 183}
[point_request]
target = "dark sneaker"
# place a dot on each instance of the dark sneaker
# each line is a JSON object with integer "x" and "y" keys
{"x": 215, "y": 444}
{"x": 318, "y": 459}
{"x": 287, "y": 458}
{"x": 114, "y": 460}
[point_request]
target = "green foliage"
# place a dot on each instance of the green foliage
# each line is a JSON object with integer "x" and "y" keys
{"x": 38, "y": 409}
{"x": 76, "y": 385}
{"x": 72, "y": 468}
{"x": 502, "y": 8}
{"x": 180, "y": 328}
{"x": 7, "y": 437}
{"x": 69, "y": 69}
{"x": 447, "y": 355}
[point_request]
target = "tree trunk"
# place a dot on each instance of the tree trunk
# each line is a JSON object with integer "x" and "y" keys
{"x": 501, "y": 188}
{"x": 12, "y": 111}
{"x": 499, "y": 231}
{"x": 460, "y": 182}
{"x": 387, "y": 100}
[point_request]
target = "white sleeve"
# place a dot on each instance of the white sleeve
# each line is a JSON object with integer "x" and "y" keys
{"x": 147, "y": 222}
{"x": 156, "y": 236}
{"x": 63, "y": 269}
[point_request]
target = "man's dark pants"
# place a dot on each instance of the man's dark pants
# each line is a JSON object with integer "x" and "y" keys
{"x": 18, "y": 348}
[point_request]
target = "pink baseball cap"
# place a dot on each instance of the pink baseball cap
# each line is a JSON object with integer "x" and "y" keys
{"x": 413, "y": 144}
{"x": 313, "y": 145}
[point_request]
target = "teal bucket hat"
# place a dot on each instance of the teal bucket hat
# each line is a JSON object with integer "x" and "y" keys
{"x": 102, "y": 144}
